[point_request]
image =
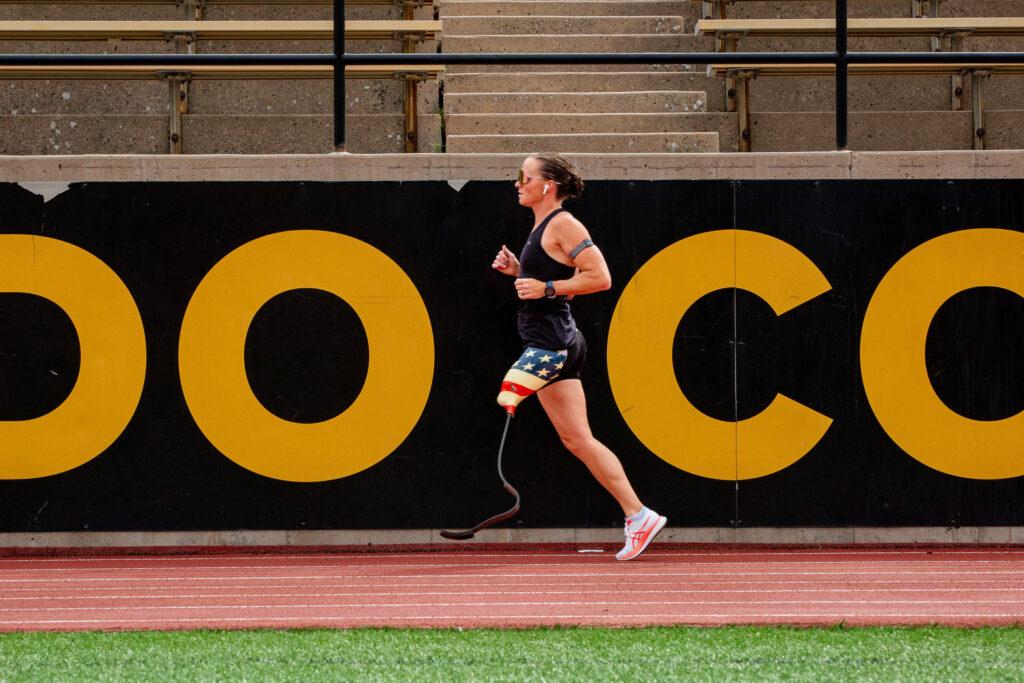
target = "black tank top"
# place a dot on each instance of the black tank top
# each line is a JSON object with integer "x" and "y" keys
{"x": 545, "y": 323}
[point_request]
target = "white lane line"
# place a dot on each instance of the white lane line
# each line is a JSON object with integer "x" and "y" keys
{"x": 509, "y": 604}
{"x": 957, "y": 584}
{"x": 455, "y": 619}
{"x": 653, "y": 592}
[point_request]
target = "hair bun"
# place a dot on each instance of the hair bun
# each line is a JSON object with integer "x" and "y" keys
{"x": 559, "y": 169}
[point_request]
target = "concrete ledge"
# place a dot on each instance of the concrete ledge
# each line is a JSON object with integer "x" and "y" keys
{"x": 869, "y": 536}
{"x": 465, "y": 167}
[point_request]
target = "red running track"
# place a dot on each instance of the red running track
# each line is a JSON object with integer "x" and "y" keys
{"x": 514, "y": 588}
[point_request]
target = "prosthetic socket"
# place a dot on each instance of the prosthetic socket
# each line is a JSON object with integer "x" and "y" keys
{"x": 534, "y": 370}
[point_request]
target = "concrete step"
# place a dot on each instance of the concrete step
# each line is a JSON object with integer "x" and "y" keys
{"x": 690, "y": 9}
{"x": 452, "y": 69}
{"x": 812, "y": 9}
{"x": 876, "y": 94}
{"x": 601, "y": 142}
{"x": 644, "y": 42}
{"x": 687, "y": 9}
{"x": 208, "y": 134}
{"x": 568, "y": 81}
{"x": 209, "y": 97}
{"x": 572, "y": 103}
{"x": 459, "y": 26}
{"x": 311, "y": 134}
{"x": 584, "y": 123}
{"x": 124, "y": 11}
{"x": 881, "y": 131}
{"x": 866, "y": 94}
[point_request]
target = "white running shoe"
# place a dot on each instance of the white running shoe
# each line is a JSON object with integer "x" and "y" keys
{"x": 640, "y": 534}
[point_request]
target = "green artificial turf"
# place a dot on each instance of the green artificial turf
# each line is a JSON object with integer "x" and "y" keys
{"x": 580, "y": 654}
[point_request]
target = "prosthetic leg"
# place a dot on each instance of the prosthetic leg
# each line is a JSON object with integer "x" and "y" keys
{"x": 534, "y": 370}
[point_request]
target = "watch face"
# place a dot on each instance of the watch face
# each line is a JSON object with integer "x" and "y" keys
{"x": 549, "y": 292}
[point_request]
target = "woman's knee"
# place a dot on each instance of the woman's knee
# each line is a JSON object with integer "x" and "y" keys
{"x": 576, "y": 443}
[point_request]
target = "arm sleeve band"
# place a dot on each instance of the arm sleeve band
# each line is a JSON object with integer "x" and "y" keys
{"x": 580, "y": 247}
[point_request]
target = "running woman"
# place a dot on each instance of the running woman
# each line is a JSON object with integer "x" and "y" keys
{"x": 558, "y": 262}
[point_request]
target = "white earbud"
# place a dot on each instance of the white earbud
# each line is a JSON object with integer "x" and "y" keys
{"x": 545, "y": 189}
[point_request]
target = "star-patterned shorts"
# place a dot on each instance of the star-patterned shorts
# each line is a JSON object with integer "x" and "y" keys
{"x": 536, "y": 368}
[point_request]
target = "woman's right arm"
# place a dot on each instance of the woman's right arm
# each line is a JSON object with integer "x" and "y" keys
{"x": 506, "y": 262}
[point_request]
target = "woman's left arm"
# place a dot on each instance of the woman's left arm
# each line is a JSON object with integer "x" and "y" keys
{"x": 591, "y": 269}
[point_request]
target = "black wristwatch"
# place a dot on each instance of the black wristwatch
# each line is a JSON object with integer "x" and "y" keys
{"x": 549, "y": 289}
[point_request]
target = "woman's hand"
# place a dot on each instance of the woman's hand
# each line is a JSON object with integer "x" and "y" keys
{"x": 528, "y": 288}
{"x": 506, "y": 262}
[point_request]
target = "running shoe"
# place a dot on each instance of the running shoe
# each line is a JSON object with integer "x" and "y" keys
{"x": 640, "y": 534}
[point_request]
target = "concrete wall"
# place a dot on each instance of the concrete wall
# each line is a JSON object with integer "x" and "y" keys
{"x": 463, "y": 167}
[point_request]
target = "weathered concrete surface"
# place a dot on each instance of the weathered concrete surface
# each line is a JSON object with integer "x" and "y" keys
{"x": 549, "y": 25}
{"x": 591, "y": 142}
{"x": 649, "y": 42}
{"x": 574, "y": 102}
{"x": 931, "y": 165}
{"x": 88, "y": 134}
{"x": 306, "y": 97}
{"x": 805, "y": 131}
{"x": 583, "y": 81}
{"x": 494, "y": 124}
{"x": 209, "y": 134}
{"x": 302, "y": 134}
{"x": 209, "y": 97}
{"x": 687, "y": 9}
{"x": 880, "y": 131}
{"x": 464, "y": 167}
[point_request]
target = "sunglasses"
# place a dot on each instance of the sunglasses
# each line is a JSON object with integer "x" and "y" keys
{"x": 523, "y": 178}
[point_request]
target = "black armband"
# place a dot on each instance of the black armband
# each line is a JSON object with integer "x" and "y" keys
{"x": 580, "y": 247}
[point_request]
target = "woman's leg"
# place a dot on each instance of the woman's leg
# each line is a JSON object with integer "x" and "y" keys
{"x": 566, "y": 406}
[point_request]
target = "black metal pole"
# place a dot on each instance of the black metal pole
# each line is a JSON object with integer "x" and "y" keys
{"x": 339, "y": 75}
{"x": 842, "y": 115}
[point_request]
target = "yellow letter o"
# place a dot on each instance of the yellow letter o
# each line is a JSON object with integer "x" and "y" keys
{"x": 640, "y": 355}
{"x": 892, "y": 353}
{"x": 112, "y": 344}
{"x": 212, "y": 365}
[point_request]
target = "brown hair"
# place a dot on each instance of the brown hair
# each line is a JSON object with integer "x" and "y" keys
{"x": 559, "y": 169}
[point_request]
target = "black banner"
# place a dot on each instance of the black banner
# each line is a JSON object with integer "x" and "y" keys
{"x": 792, "y": 394}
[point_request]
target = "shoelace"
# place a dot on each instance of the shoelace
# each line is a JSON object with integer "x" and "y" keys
{"x": 634, "y": 536}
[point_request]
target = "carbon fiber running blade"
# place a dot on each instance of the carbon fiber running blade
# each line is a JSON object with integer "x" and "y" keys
{"x": 490, "y": 521}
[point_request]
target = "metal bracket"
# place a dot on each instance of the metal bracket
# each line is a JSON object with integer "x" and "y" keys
{"x": 180, "y": 37}
{"x": 415, "y": 36}
{"x": 728, "y": 44}
{"x": 956, "y": 85}
{"x": 925, "y": 8}
{"x": 177, "y": 90}
{"x": 978, "y": 96}
{"x": 713, "y": 9}
{"x": 194, "y": 9}
{"x": 741, "y": 79}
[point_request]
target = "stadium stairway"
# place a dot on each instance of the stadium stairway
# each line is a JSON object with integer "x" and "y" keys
{"x": 654, "y": 108}
{"x": 588, "y": 108}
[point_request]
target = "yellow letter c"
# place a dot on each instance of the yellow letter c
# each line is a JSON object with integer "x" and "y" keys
{"x": 892, "y": 353}
{"x": 640, "y": 355}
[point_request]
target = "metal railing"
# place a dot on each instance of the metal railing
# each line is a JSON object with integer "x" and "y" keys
{"x": 841, "y": 57}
